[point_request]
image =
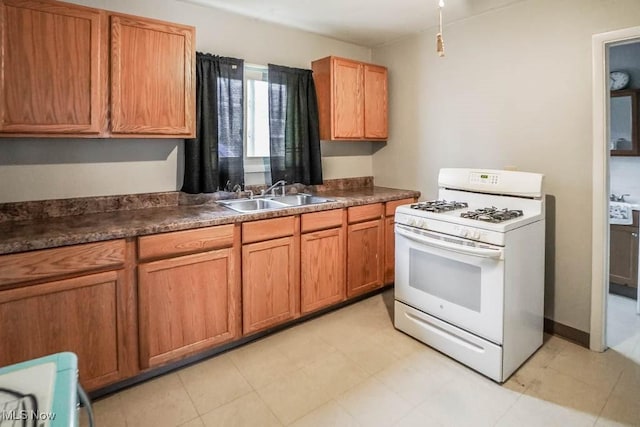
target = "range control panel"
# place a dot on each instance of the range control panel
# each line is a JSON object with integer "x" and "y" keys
{"x": 483, "y": 178}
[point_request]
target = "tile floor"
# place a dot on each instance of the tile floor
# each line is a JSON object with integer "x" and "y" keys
{"x": 352, "y": 368}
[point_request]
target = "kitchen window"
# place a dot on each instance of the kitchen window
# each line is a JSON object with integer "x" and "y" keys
{"x": 256, "y": 150}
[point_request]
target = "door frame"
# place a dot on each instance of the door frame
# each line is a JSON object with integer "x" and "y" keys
{"x": 600, "y": 187}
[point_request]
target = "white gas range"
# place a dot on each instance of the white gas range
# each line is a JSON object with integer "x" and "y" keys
{"x": 470, "y": 268}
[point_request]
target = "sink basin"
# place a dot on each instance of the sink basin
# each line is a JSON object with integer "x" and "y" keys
{"x": 253, "y": 205}
{"x": 270, "y": 203}
{"x": 620, "y": 213}
{"x": 301, "y": 199}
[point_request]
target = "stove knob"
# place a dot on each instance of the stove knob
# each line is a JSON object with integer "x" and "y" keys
{"x": 464, "y": 233}
{"x": 476, "y": 235}
{"x": 423, "y": 224}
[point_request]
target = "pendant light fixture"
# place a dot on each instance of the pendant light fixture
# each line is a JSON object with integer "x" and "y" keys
{"x": 439, "y": 39}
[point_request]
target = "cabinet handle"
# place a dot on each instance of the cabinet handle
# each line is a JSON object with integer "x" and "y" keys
{"x": 634, "y": 234}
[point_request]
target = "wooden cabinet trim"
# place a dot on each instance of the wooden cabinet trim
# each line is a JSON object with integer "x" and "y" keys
{"x": 183, "y": 242}
{"x": 267, "y": 229}
{"x": 364, "y": 213}
{"x": 59, "y": 262}
{"x": 390, "y": 207}
{"x": 321, "y": 220}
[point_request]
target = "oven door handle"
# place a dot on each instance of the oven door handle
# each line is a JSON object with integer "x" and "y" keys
{"x": 466, "y": 250}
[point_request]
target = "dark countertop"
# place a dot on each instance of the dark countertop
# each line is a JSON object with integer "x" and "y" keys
{"x": 20, "y": 236}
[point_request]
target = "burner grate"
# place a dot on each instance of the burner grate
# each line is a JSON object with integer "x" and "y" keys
{"x": 492, "y": 214}
{"x": 439, "y": 206}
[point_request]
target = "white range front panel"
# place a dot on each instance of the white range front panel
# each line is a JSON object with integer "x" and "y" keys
{"x": 454, "y": 282}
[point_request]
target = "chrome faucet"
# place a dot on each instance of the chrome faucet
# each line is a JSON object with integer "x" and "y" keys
{"x": 272, "y": 189}
{"x": 238, "y": 189}
{"x": 615, "y": 198}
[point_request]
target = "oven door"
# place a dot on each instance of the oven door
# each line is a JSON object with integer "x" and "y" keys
{"x": 453, "y": 279}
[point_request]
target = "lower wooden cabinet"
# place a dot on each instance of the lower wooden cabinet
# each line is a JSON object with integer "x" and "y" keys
{"x": 191, "y": 301}
{"x": 187, "y": 304}
{"x": 81, "y": 314}
{"x": 322, "y": 264}
{"x": 365, "y": 249}
{"x": 270, "y": 273}
{"x": 623, "y": 254}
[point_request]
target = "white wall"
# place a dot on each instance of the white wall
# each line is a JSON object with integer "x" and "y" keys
{"x": 37, "y": 169}
{"x": 513, "y": 90}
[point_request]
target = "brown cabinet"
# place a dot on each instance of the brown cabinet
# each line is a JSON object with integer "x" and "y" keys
{"x": 352, "y": 99}
{"x": 152, "y": 77}
{"x": 57, "y": 81}
{"x": 191, "y": 302}
{"x": 54, "y": 68}
{"x": 623, "y": 253}
{"x": 270, "y": 273}
{"x": 389, "y": 238}
{"x": 624, "y": 122}
{"x": 53, "y": 302}
{"x": 322, "y": 260}
{"x": 365, "y": 249}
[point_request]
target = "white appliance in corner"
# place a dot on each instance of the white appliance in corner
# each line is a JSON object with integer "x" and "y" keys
{"x": 470, "y": 268}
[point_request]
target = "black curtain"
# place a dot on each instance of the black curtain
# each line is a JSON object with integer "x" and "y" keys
{"x": 293, "y": 126}
{"x": 214, "y": 157}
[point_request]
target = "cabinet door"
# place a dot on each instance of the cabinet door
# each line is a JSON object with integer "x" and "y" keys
{"x": 81, "y": 315}
{"x": 152, "y": 77}
{"x": 365, "y": 257}
{"x": 322, "y": 265}
{"x": 53, "y": 68}
{"x": 348, "y": 120}
{"x": 187, "y": 304}
{"x": 623, "y": 258}
{"x": 375, "y": 102}
{"x": 270, "y": 283}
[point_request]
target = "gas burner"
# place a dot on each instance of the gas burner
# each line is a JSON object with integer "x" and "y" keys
{"x": 492, "y": 214}
{"x": 439, "y": 206}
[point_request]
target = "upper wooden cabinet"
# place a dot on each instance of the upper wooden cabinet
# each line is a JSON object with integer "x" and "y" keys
{"x": 152, "y": 77}
{"x": 54, "y": 68}
{"x": 57, "y": 81}
{"x": 352, "y": 99}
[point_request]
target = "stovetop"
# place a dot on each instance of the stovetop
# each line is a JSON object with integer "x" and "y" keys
{"x": 487, "y": 214}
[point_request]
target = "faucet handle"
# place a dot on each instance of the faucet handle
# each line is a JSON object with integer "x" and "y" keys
{"x": 621, "y": 198}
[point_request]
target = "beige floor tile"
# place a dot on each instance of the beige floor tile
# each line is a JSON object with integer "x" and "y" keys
{"x": 196, "y": 422}
{"x": 416, "y": 418}
{"x": 213, "y": 383}
{"x": 533, "y": 412}
{"x": 416, "y": 380}
{"x": 158, "y": 403}
{"x": 621, "y": 410}
{"x": 565, "y": 390}
{"x": 600, "y": 370}
{"x": 328, "y": 415}
{"x": 261, "y": 363}
{"x": 398, "y": 343}
{"x": 293, "y": 397}
{"x": 335, "y": 374}
{"x": 534, "y": 367}
{"x": 629, "y": 382}
{"x": 373, "y": 404}
{"x": 301, "y": 348}
{"x": 469, "y": 400}
{"x": 246, "y": 411}
{"x": 106, "y": 412}
{"x": 368, "y": 354}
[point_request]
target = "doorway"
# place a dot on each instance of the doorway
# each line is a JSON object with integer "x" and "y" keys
{"x": 602, "y": 45}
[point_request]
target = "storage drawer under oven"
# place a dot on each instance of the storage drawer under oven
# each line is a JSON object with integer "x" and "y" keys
{"x": 477, "y": 353}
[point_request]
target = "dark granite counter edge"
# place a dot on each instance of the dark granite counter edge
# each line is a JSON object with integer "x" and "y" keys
{"x": 161, "y": 220}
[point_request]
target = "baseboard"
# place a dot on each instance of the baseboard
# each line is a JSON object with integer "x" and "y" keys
{"x": 572, "y": 334}
{"x": 625, "y": 291}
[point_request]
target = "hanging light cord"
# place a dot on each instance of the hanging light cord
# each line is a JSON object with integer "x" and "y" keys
{"x": 439, "y": 39}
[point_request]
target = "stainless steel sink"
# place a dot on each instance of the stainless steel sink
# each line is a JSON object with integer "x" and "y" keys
{"x": 252, "y": 205}
{"x": 301, "y": 199}
{"x": 272, "y": 202}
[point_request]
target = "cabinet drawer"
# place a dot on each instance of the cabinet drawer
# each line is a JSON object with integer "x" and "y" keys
{"x": 321, "y": 220}
{"x": 268, "y": 229}
{"x": 182, "y": 242}
{"x": 364, "y": 213}
{"x": 48, "y": 263}
{"x": 390, "y": 207}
